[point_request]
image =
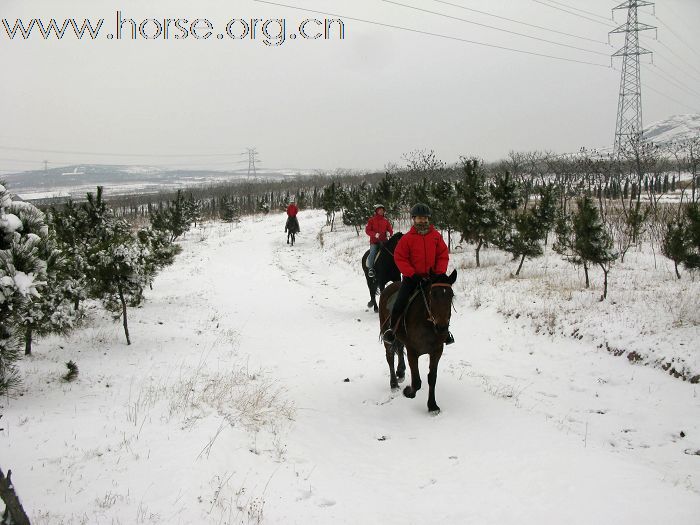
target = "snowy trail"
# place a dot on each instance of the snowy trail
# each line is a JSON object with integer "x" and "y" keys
{"x": 533, "y": 429}
{"x": 369, "y": 450}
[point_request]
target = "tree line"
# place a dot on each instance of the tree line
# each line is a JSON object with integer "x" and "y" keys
{"x": 591, "y": 207}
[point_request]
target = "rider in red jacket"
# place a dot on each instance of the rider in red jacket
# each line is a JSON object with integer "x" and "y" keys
{"x": 292, "y": 221}
{"x": 420, "y": 253}
{"x": 379, "y": 230}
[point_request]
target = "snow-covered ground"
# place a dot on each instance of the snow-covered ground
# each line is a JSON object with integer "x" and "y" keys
{"x": 256, "y": 391}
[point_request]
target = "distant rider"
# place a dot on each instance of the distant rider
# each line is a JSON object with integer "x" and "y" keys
{"x": 420, "y": 253}
{"x": 379, "y": 230}
{"x": 292, "y": 220}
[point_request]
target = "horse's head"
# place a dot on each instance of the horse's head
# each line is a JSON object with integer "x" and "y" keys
{"x": 439, "y": 299}
{"x": 393, "y": 241}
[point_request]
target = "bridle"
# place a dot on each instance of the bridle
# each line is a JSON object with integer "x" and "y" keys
{"x": 427, "y": 303}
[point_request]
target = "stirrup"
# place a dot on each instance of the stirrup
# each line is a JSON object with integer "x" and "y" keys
{"x": 370, "y": 272}
{"x": 450, "y": 338}
{"x": 388, "y": 336}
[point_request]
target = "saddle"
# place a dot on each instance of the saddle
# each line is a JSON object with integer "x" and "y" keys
{"x": 390, "y": 305}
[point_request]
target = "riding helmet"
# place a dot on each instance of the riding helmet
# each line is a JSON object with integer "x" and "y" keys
{"x": 421, "y": 210}
{"x": 377, "y": 206}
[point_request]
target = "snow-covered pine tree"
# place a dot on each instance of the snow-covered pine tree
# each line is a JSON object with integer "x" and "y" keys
{"x": 119, "y": 270}
{"x": 22, "y": 273}
{"x": 477, "y": 214}
{"x": 156, "y": 252}
{"x": 193, "y": 210}
{"x": 51, "y": 311}
{"x": 174, "y": 218}
{"x": 117, "y": 262}
{"x": 72, "y": 236}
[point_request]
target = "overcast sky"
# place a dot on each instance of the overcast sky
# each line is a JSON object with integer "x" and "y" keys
{"x": 360, "y": 103}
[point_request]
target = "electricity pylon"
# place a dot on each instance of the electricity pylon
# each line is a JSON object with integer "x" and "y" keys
{"x": 629, "y": 107}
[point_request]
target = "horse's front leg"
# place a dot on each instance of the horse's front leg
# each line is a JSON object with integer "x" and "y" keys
{"x": 410, "y": 391}
{"x": 432, "y": 379}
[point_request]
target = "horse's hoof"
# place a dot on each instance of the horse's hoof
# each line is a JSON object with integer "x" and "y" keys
{"x": 370, "y": 304}
{"x": 400, "y": 378}
{"x": 409, "y": 392}
{"x": 434, "y": 411}
{"x": 394, "y": 385}
{"x": 376, "y": 309}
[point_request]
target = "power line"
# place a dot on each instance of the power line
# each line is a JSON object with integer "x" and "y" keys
{"x": 438, "y": 35}
{"x": 678, "y": 56}
{"x": 677, "y": 36}
{"x": 678, "y": 68}
{"x": 578, "y": 9}
{"x": 696, "y": 110}
{"x": 572, "y": 13}
{"x": 674, "y": 80}
{"x": 485, "y": 13}
{"x": 494, "y": 28}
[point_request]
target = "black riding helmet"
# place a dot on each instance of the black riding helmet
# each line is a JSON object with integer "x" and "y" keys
{"x": 420, "y": 210}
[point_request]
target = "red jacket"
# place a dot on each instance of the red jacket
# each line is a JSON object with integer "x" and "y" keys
{"x": 417, "y": 254}
{"x": 292, "y": 210}
{"x": 378, "y": 224}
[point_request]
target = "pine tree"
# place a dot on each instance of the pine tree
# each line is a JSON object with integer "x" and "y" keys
{"x": 119, "y": 273}
{"x": 582, "y": 238}
{"x": 332, "y": 201}
{"x": 525, "y": 239}
{"x": 230, "y": 212}
{"x": 477, "y": 214}
{"x": 546, "y": 209}
{"x": 175, "y": 218}
{"x": 22, "y": 275}
{"x": 357, "y": 207}
{"x": 443, "y": 203}
{"x": 51, "y": 310}
{"x": 390, "y": 192}
{"x": 692, "y": 260}
{"x": 675, "y": 243}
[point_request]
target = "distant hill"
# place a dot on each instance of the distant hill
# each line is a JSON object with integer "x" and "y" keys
{"x": 673, "y": 129}
{"x": 77, "y": 180}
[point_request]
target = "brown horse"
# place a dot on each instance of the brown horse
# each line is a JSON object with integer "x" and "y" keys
{"x": 423, "y": 330}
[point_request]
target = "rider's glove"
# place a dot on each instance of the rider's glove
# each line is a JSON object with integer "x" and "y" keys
{"x": 376, "y": 236}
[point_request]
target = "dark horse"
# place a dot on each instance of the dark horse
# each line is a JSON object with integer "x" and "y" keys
{"x": 292, "y": 228}
{"x": 385, "y": 269}
{"x": 423, "y": 330}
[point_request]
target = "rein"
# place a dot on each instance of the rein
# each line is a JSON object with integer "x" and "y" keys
{"x": 431, "y": 318}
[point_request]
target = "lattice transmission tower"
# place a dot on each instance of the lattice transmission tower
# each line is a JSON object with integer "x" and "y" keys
{"x": 252, "y": 154}
{"x": 628, "y": 129}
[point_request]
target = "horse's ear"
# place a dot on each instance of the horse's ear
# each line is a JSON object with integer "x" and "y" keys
{"x": 452, "y": 277}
